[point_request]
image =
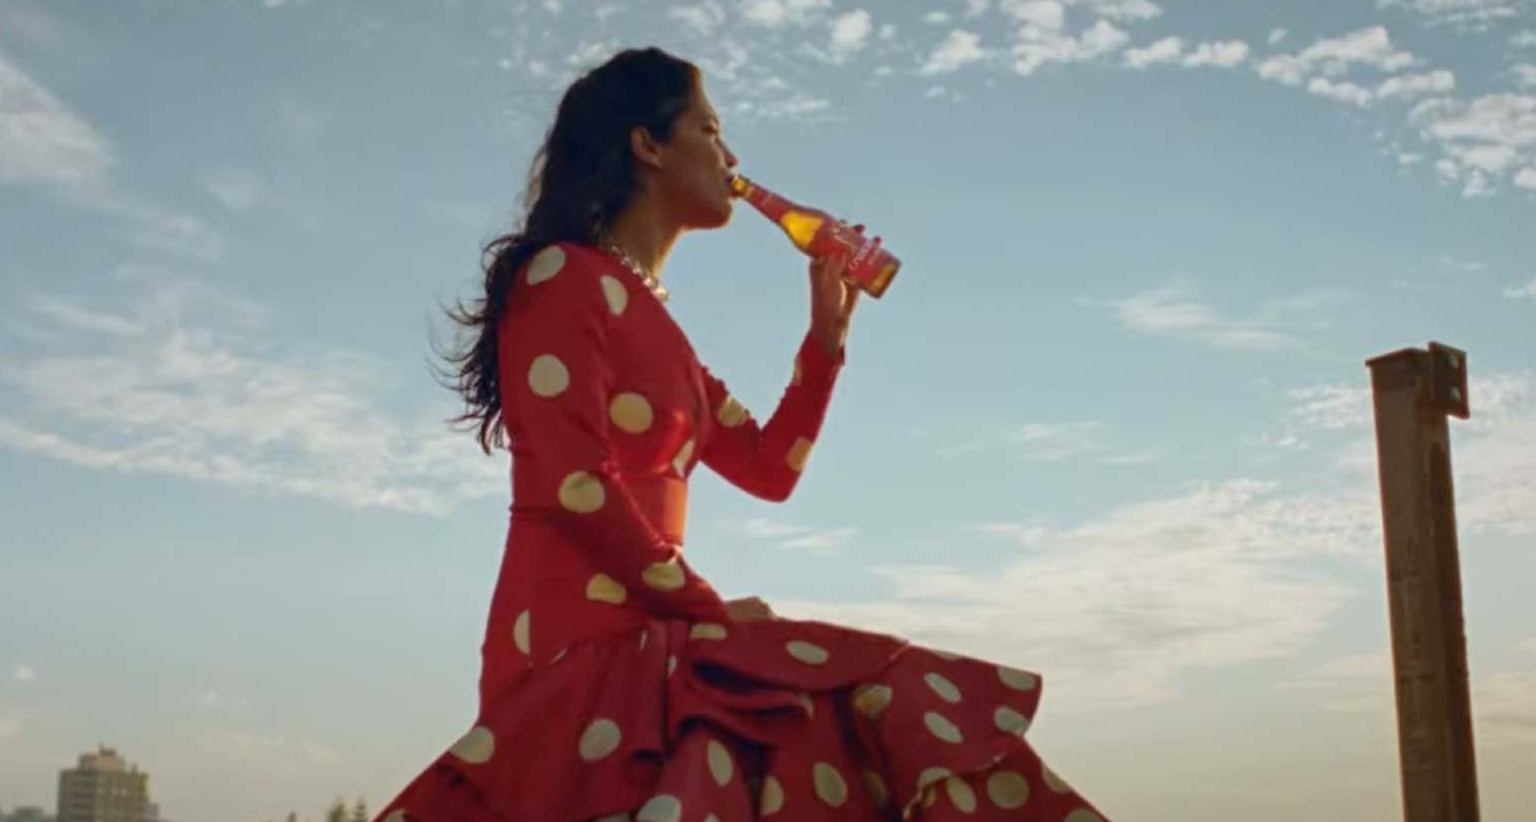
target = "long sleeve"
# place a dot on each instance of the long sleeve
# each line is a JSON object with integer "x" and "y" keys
{"x": 767, "y": 460}
{"x": 557, "y": 383}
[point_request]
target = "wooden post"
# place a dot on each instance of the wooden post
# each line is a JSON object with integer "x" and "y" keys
{"x": 1414, "y": 390}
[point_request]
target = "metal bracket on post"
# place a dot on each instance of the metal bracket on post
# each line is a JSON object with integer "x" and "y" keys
{"x": 1414, "y": 390}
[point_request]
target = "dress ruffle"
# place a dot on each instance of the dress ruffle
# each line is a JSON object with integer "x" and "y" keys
{"x": 774, "y": 719}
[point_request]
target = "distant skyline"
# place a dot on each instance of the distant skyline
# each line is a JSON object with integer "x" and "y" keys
{"x": 1111, "y": 423}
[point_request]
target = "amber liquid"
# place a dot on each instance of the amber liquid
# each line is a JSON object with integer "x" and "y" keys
{"x": 869, "y": 265}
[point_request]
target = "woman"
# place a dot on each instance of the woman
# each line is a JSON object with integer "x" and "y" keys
{"x": 616, "y": 683}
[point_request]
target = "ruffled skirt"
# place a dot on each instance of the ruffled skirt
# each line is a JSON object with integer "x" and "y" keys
{"x": 773, "y": 720}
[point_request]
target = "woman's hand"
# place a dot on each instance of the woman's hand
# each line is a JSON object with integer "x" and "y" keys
{"x": 748, "y": 609}
{"x": 832, "y": 299}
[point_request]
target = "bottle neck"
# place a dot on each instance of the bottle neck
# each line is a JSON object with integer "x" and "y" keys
{"x": 770, "y": 204}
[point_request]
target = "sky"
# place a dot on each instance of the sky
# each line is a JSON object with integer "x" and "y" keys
{"x": 1111, "y": 423}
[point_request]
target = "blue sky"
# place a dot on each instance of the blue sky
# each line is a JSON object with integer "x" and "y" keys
{"x": 1110, "y": 424}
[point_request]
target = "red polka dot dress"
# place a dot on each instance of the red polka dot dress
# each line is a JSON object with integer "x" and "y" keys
{"x": 615, "y": 687}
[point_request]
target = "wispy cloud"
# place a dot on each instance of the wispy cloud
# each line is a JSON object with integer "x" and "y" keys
{"x": 1469, "y": 14}
{"x": 1492, "y": 451}
{"x": 1174, "y": 311}
{"x": 790, "y": 537}
{"x": 1116, "y": 609}
{"x": 24, "y": 673}
{"x": 181, "y": 379}
{"x": 1525, "y": 291}
{"x": 41, "y": 139}
{"x": 1083, "y": 440}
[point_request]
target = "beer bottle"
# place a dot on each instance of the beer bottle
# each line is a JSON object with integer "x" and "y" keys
{"x": 870, "y": 266}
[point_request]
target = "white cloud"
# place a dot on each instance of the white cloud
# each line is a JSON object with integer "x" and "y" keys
{"x": 24, "y": 673}
{"x": 1038, "y": 46}
{"x": 936, "y": 18}
{"x": 1171, "y": 312}
{"x": 795, "y": 537}
{"x": 1276, "y": 35}
{"x": 1343, "y": 91}
{"x": 1438, "y": 81}
{"x": 1055, "y": 442}
{"x": 777, "y": 13}
{"x": 1473, "y": 14}
{"x": 1526, "y": 178}
{"x": 705, "y": 18}
{"x": 182, "y": 381}
{"x": 1525, "y": 38}
{"x": 850, "y": 34}
{"x": 1166, "y": 50}
{"x": 41, "y": 140}
{"x": 1483, "y": 139}
{"x": 1224, "y": 54}
{"x": 1335, "y": 56}
{"x": 959, "y": 49}
{"x": 1114, "y": 610}
{"x": 1492, "y": 451}
{"x": 236, "y": 189}
{"x": 1170, "y": 51}
{"x": 1524, "y": 73}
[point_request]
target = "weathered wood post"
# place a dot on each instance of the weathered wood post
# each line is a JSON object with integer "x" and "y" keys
{"x": 1414, "y": 390}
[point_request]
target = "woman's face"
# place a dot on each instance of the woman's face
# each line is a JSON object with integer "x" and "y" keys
{"x": 694, "y": 167}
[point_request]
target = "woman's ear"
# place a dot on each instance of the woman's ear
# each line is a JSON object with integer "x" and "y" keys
{"x": 644, "y": 146}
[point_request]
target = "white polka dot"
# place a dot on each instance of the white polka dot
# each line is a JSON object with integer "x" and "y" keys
{"x": 604, "y": 588}
{"x": 931, "y": 776}
{"x": 671, "y": 664}
{"x": 941, "y": 727}
{"x": 1083, "y": 815}
{"x": 621, "y": 816}
{"x": 798, "y": 455}
{"x": 711, "y": 818}
{"x": 547, "y": 376}
{"x": 684, "y": 456}
{"x": 616, "y": 295}
{"x": 872, "y": 700}
{"x": 661, "y": 808}
{"x": 807, "y": 652}
{"x": 1017, "y": 679}
{"x": 830, "y": 787}
{"x": 731, "y": 412}
{"x": 663, "y": 576}
{"x": 600, "y": 739}
{"x": 476, "y": 746}
{"x": 943, "y": 687}
{"x": 1008, "y": 789}
{"x": 631, "y": 412}
{"x": 961, "y": 794}
{"x": 520, "y": 632}
{"x": 1053, "y": 781}
{"x": 1010, "y": 721}
{"x": 707, "y": 630}
{"x": 581, "y": 492}
{"x": 545, "y": 264}
{"x": 772, "y": 797}
{"x": 720, "y": 764}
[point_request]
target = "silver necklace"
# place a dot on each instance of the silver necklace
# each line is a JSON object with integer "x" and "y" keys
{"x": 652, "y": 282}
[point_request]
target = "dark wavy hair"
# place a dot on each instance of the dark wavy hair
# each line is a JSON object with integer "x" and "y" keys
{"x": 582, "y": 177}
